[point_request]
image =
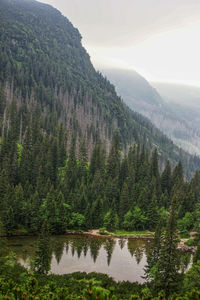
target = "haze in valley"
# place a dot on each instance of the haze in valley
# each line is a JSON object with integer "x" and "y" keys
{"x": 156, "y": 38}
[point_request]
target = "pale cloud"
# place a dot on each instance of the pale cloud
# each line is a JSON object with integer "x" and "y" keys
{"x": 172, "y": 56}
{"x": 158, "y": 38}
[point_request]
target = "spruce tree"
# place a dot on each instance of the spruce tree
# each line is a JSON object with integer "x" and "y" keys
{"x": 167, "y": 276}
{"x": 43, "y": 252}
{"x": 166, "y": 178}
{"x": 124, "y": 202}
{"x": 154, "y": 253}
{"x": 113, "y": 163}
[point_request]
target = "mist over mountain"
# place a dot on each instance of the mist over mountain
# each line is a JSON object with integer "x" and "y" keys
{"x": 47, "y": 72}
{"x": 171, "y": 108}
{"x": 185, "y": 95}
{"x": 183, "y": 99}
{"x": 75, "y": 159}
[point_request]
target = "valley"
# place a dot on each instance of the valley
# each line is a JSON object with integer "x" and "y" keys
{"x": 80, "y": 151}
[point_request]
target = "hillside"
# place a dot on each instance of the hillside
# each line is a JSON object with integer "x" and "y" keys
{"x": 75, "y": 158}
{"x": 45, "y": 69}
{"x": 183, "y": 99}
{"x": 171, "y": 109}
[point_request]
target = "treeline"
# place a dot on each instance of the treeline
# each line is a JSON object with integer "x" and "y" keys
{"x": 40, "y": 179}
{"x": 44, "y": 65}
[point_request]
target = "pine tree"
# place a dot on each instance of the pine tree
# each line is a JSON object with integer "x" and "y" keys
{"x": 177, "y": 175}
{"x": 43, "y": 252}
{"x": 113, "y": 163}
{"x": 166, "y": 179}
{"x": 83, "y": 161}
{"x": 71, "y": 172}
{"x": 154, "y": 164}
{"x": 152, "y": 212}
{"x": 124, "y": 202}
{"x": 97, "y": 162}
{"x": 154, "y": 253}
{"x": 167, "y": 276}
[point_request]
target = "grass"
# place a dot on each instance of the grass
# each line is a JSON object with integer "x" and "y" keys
{"x": 184, "y": 235}
{"x": 190, "y": 242}
{"x": 19, "y": 230}
{"x": 136, "y": 233}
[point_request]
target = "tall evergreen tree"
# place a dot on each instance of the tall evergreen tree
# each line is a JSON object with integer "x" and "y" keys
{"x": 154, "y": 254}
{"x": 167, "y": 276}
{"x": 113, "y": 163}
{"x": 43, "y": 252}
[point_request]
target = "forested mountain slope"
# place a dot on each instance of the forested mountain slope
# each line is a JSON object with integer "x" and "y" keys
{"x": 48, "y": 74}
{"x": 174, "y": 112}
{"x": 184, "y": 100}
{"x": 73, "y": 156}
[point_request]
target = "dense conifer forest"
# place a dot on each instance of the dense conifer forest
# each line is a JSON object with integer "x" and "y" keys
{"x": 40, "y": 181}
{"x": 73, "y": 156}
{"x": 45, "y": 69}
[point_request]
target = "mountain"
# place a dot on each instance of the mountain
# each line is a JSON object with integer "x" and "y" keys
{"x": 184, "y": 99}
{"x": 185, "y": 95}
{"x": 171, "y": 108}
{"x": 47, "y": 80}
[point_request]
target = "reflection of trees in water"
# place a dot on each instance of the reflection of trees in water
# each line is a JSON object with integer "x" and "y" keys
{"x": 77, "y": 246}
{"x": 95, "y": 246}
{"x": 122, "y": 243}
{"x": 131, "y": 247}
{"x": 67, "y": 245}
{"x": 109, "y": 246}
{"x": 185, "y": 260}
{"x": 72, "y": 249}
{"x": 85, "y": 245}
{"x": 23, "y": 248}
{"x": 58, "y": 249}
{"x": 136, "y": 248}
{"x": 147, "y": 247}
{"x": 139, "y": 254}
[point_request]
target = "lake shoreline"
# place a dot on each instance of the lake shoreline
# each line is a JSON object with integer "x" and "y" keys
{"x": 92, "y": 232}
{"x": 95, "y": 233}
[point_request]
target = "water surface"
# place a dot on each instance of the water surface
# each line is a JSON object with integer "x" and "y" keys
{"x": 122, "y": 259}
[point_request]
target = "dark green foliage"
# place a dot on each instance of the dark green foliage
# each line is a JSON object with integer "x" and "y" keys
{"x": 75, "y": 193}
{"x": 43, "y": 254}
{"x": 49, "y": 168}
{"x": 111, "y": 221}
{"x": 86, "y": 286}
{"x": 50, "y": 74}
{"x": 134, "y": 220}
{"x": 167, "y": 275}
{"x": 53, "y": 165}
{"x": 154, "y": 253}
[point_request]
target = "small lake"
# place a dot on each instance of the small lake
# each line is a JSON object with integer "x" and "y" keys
{"x": 122, "y": 259}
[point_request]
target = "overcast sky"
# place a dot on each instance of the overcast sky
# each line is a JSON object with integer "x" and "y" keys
{"x": 160, "y": 39}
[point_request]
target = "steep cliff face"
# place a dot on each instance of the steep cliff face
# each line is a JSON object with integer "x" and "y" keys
{"x": 45, "y": 69}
